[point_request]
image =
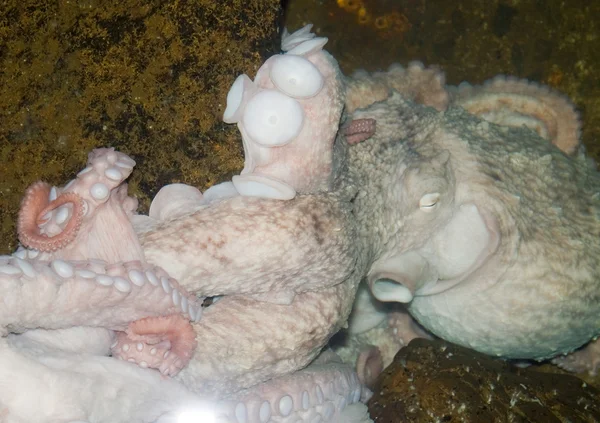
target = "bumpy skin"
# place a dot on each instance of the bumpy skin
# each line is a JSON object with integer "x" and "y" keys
{"x": 440, "y": 209}
{"x": 489, "y": 234}
{"x": 250, "y": 337}
{"x": 285, "y": 273}
{"x": 262, "y": 272}
{"x": 62, "y": 306}
{"x": 107, "y": 252}
{"x": 416, "y": 82}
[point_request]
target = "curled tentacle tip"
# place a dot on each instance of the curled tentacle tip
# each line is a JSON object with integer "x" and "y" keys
{"x": 35, "y": 206}
{"x": 369, "y": 365}
{"x": 165, "y": 343}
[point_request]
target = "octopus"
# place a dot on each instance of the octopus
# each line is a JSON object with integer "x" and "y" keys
{"x": 364, "y": 200}
{"x": 495, "y": 214}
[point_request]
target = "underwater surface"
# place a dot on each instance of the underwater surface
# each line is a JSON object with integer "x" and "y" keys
{"x": 553, "y": 42}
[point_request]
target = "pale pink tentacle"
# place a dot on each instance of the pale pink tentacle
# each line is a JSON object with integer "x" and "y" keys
{"x": 33, "y": 208}
{"x": 163, "y": 343}
{"x": 326, "y": 390}
{"x": 101, "y": 295}
{"x": 517, "y": 102}
{"x": 416, "y": 82}
{"x": 107, "y": 168}
{"x": 60, "y": 294}
{"x": 369, "y": 365}
{"x": 586, "y": 359}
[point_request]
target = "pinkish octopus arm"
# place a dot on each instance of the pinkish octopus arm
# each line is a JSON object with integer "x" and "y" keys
{"x": 586, "y": 359}
{"x": 244, "y": 341}
{"x": 249, "y": 246}
{"x": 517, "y": 102}
{"x": 88, "y": 220}
{"x": 35, "y": 206}
{"x": 288, "y": 118}
{"x": 415, "y": 82}
{"x": 61, "y": 294}
{"x": 146, "y": 396}
{"x": 326, "y": 390}
{"x": 164, "y": 343}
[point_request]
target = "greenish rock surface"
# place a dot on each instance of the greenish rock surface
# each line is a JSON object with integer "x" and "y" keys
{"x": 149, "y": 78}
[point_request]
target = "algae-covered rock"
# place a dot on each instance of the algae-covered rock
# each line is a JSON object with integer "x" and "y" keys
{"x": 147, "y": 77}
{"x": 433, "y": 381}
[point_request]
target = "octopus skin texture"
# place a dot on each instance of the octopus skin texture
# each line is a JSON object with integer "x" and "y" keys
{"x": 418, "y": 198}
{"x": 62, "y": 307}
{"x": 482, "y": 220}
{"x": 82, "y": 309}
{"x": 87, "y": 284}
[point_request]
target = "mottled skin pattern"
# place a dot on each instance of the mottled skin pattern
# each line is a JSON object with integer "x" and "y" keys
{"x": 284, "y": 274}
{"x": 503, "y": 258}
{"x": 229, "y": 252}
{"x": 275, "y": 263}
{"x": 488, "y": 233}
{"x": 240, "y": 343}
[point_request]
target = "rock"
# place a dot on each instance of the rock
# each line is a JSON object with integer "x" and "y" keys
{"x": 437, "y": 381}
{"x": 148, "y": 78}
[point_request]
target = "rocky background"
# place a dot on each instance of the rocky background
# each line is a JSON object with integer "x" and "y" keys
{"x": 434, "y": 381}
{"x": 148, "y": 77}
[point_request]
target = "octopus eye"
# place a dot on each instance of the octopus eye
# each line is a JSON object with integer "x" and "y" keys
{"x": 272, "y": 118}
{"x": 428, "y": 202}
{"x": 296, "y": 76}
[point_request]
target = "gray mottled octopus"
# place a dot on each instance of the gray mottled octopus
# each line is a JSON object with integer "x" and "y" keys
{"x": 473, "y": 209}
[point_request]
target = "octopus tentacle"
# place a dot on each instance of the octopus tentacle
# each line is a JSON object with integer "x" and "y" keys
{"x": 230, "y": 259}
{"x": 327, "y": 390}
{"x": 586, "y": 359}
{"x": 97, "y": 192}
{"x": 35, "y": 206}
{"x": 61, "y": 294}
{"x": 309, "y": 322}
{"x": 52, "y": 218}
{"x": 416, "y": 82}
{"x": 373, "y": 346}
{"x": 163, "y": 343}
{"x": 516, "y": 102}
{"x": 369, "y": 365}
